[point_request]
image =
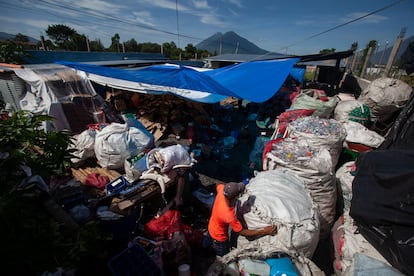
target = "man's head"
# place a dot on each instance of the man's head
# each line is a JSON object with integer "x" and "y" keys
{"x": 232, "y": 190}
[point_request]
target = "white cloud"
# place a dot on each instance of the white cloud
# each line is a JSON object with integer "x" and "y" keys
{"x": 200, "y": 4}
{"x": 165, "y": 4}
{"x": 143, "y": 17}
{"x": 35, "y": 23}
{"x": 212, "y": 19}
{"x": 95, "y": 5}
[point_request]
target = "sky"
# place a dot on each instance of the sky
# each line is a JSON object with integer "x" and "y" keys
{"x": 290, "y": 27}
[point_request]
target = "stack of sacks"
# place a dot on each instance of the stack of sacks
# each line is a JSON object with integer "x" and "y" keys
{"x": 277, "y": 197}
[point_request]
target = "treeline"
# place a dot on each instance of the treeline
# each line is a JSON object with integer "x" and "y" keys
{"x": 63, "y": 38}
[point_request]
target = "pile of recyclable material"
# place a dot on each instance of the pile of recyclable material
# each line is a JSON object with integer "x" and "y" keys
{"x": 320, "y": 132}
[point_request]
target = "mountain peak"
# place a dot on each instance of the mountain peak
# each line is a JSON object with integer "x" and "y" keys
{"x": 229, "y": 43}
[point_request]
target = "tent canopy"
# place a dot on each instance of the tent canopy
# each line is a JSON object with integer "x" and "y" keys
{"x": 256, "y": 81}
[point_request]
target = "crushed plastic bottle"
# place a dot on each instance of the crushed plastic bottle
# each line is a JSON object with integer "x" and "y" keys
{"x": 317, "y": 126}
{"x": 293, "y": 150}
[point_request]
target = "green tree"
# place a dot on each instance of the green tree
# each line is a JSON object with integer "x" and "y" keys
{"x": 96, "y": 45}
{"x": 11, "y": 52}
{"x": 115, "y": 43}
{"x": 131, "y": 45}
{"x": 48, "y": 44}
{"x": 21, "y": 38}
{"x": 149, "y": 47}
{"x": 371, "y": 44}
{"x": 327, "y": 51}
{"x": 190, "y": 51}
{"x": 203, "y": 54}
{"x": 354, "y": 46}
{"x": 172, "y": 51}
{"x": 60, "y": 34}
{"x": 168, "y": 48}
{"x": 77, "y": 43}
{"x": 33, "y": 226}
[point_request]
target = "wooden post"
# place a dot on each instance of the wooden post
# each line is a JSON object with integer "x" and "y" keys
{"x": 87, "y": 44}
{"x": 394, "y": 51}
{"x": 354, "y": 58}
{"x": 42, "y": 40}
{"x": 362, "y": 73}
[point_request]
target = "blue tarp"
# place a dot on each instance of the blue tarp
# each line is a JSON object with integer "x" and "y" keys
{"x": 255, "y": 81}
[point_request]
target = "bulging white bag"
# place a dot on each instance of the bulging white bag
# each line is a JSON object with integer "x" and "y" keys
{"x": 384, "y": 96}
{"x": 117, "y": 142}
{"x": 278, "y": 197}
{"x": 83, "y": 145}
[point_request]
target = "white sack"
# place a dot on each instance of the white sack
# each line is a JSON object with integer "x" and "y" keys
{"x": 171, "y": 157}
{"x": 308, "y": 99}
{"x": 353, "y": 243}
{"x": 365, "y": 265}
{"x": 357, "y": 133}
{"x": 320, "y": 132}
{"x": 384, "y": 96}
{"x": 343, "y": 112}
{"x": 344, "y": 178}
{"x": 304, "y": 266}
{"x": 314, "y": 166}
{"x": 117, "y": 142}
{"x": 280, "y": 198}
{"x": 84, "y": 145}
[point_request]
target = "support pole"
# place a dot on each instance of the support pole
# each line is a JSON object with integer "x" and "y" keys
{"x": 394, "y": 51}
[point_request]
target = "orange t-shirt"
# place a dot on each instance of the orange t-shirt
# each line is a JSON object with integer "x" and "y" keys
{"x": 222, "y": 216}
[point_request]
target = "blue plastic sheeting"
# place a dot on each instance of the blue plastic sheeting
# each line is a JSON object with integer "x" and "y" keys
{"x": 298, "y": 74}
{"x": 255, "y": 81}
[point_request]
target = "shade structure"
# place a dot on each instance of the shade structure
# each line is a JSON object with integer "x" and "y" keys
{"x": 255, "y": 81}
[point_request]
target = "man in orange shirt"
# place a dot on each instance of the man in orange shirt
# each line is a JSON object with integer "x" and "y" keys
{"x": 223, "y": 215}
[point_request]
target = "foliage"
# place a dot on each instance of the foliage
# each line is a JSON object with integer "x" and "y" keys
{"x": 35, "y": 241}
{"x": 78, "y": 42}
{"x": 354, "y": 46}
{"x": 131, "y": 45}
{"x": 12, "y": 52}
{"x": 60, "y": 34}
{"x": 25, "y": 142}
{"x": 149, "y": 47}
{"x": 115, "y": 43}
{"x": 96, "y": 45}
{"x": 371, "y": 44}
{"x": 170, "y": 50}
{"x": 67, "y": 38}
{"x": 21, "y": 38}
{"x": 327, "y": 51}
